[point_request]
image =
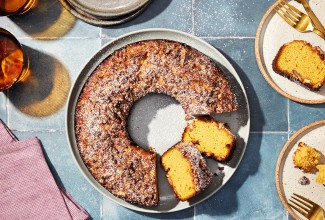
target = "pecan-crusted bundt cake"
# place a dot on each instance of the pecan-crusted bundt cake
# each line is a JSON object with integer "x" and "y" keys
{"x": 154, "y": 66}
{"x": 187, "y": 172}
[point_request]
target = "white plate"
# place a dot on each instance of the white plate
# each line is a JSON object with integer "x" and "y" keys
{"x": 287, "y": 175}
{"x": 91, "y": 19}
{"x": 239, "y": 121}
{"x": 272, "y": 33}
{"x": 108, "y": 9}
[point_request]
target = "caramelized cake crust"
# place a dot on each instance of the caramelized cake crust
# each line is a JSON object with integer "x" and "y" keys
{"x": 155, "y": 66}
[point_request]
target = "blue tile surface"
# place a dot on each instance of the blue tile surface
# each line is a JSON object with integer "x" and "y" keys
{"x": 160, "y": 14}
{"x": 59, "y": 45}
{"x": 251, "y": 192}
{"x": 302, "y": 115}
{"x": 225, "y": 18}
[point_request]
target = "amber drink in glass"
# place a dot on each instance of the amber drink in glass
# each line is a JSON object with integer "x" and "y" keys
{"x": 13, "y": 62}
{"x": 13, "y": 7}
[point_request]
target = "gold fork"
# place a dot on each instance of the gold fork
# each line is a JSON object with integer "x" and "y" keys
{"x": 306, "y": 207}
{"x": 296, "y": 18}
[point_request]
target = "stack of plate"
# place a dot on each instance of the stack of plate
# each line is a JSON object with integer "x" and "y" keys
{"x": 105, "y": 12}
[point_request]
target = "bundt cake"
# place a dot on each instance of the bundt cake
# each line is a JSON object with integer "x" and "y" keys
{"x": 103, "y": 106}
{"x": 212, "y": 138}
{"x": 321, "y": 174}
{"x": 300, "y": 61}
{"x": 187, "y": 172}
{"x": 305, "y": 157}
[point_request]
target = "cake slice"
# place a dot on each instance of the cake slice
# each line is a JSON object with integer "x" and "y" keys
{"x": 212, "y": 138}
{"x": 187, "y": 172}
{"x": 299, "y": 61}
{"x": 305, "y": 157}
{"x": 321, "y": 175}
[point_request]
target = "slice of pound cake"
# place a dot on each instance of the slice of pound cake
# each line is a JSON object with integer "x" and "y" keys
{"x": 299, "y": 61}
{"x": 212, "y": 138}
{"x": 187, "y": 172}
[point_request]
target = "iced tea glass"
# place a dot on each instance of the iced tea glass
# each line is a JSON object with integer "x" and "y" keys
{"x": 14, "y": 63}
{"x": 13, "y": 7}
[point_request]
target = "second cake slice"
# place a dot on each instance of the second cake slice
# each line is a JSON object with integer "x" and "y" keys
{"x": 187, "y": 172}
{"x": 212, "y": 138}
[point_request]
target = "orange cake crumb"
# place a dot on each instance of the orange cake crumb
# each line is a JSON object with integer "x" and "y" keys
{"x": 305, "y": 157}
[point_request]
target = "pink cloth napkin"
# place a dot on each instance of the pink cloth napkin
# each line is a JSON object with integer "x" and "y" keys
{"x": 27, "y": 187}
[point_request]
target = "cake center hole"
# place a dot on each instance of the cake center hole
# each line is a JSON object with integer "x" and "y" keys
{"x": 156, "y": 120}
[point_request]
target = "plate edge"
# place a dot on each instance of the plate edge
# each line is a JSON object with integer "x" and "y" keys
{"x": 284, "y": 150}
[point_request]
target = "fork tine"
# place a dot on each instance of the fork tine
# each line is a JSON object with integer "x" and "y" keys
{"x": 302, "y": 202}
{"x": 288, "y": 14}
{"x": 298, "y": 210}
{"x": 278, "y": 11}
{"x": 305, "y": 199}
{"x": 291, "y": 7}
{"x": 300, "y": 206}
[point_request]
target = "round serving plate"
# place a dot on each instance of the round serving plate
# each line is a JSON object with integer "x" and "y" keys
{"x": 108, "y": 9}
{"x": 287, "y": 176}
{"x": 271, "y": 34}
{"x": 91, "y": 19}
{"x": 238, "y": 121}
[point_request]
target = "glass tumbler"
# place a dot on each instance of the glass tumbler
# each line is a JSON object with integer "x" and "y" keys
{"x": 13, "y": 7}
{"x": 14, "y": 63}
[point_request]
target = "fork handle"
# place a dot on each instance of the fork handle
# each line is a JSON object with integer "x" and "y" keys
{"x": 321, "y": 34}
{"x": 317, "y": 215}
{"x": 312, "y": 15}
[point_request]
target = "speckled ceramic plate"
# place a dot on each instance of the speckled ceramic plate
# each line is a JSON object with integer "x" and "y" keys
{"x": 108, "y": 8}
{"x": 91, "y": 19}
{"x": 239, "y": 121}
{"x": 287, "y": 175}
{"x": 272, "y": 33}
